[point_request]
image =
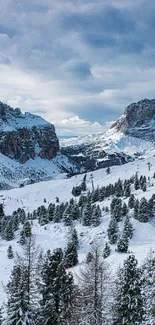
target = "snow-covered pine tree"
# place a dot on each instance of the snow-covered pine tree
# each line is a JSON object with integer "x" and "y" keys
{"x": 128, "y": 307}
{"x": 1, "y": 210}
{"x": 57, "y": 291}
{"x": 136, "y": 182}
{"x": 136, "y": 210}
{"x": 96, "y": 216}
{"x": 9, "y": 232}
{"x": 124, "y": 210}
{"x": 86, "y": 214}
{"x": 10, "y": 252}
{"x": 71, "y": 255}
{"x": 128, "y": 228}
{"x": 57, "y": 214}
{"x": 112, "y": 231}
{"x": 131, "y": 201}
{"x": 17, "y": 304}
{"x": 27, "y": 229}
{"x": 148, "y": 288}
{"x": 127, "y": 190}
{"x": 50, "y": 211}
{"x": 143, "y": 212}
{"x": 122, "y": 244}
{"x": 106, "y": 251}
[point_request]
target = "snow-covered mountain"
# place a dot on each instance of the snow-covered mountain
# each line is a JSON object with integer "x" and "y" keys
{"x": 29, "y": 149}
{"x": 130, "y": 137}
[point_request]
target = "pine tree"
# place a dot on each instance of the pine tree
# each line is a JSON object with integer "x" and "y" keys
{"x": 106, "y": 251}
{"x": 57, "y": 214}
{"x": 148, "y": 286}
{"x": 143, "y": 212}
{"x": 124, "y": 210}
{"x": 136, "y": 210}
{"x": 1, "y": 210}
{"x": 74, "y": 237}
{"x": 112, "y": 231}
{"x": 96, "y": 216}
{"x": 128, "y": 309}
{"x": 27, "y": 229}
{"x": 67, "y": 216}
{"x": 131, "y": 201}
{"x": 57, "y": 290}
{"x": 127, "y": 190}
{"x": 50, "y": 211}
{"x": 10, "y": 252}
{"x": 17, "y": 305}
{"x": 9, "y": 233}
{"x": 128, "y": 228}
{"x": 22, "y": 238}
{"x": 86, "y": 214}
{"x": 71, "y": 255}
{"x": 136, "y": 182}
{"x": 122, "y": 244}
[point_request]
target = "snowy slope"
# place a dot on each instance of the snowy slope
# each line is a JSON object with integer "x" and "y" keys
{"x": 112, "y": 141}
{"x": 56, "y": 234}
{"x": 13, "y": 174}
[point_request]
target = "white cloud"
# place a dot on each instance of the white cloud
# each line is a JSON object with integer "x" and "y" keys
{"x": 76, "y": 126}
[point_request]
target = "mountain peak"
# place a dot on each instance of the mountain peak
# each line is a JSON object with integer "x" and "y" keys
{"x": 138, "y": 120}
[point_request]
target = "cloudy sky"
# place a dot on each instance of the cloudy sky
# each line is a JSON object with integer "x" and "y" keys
{"x": 77, "y": 63}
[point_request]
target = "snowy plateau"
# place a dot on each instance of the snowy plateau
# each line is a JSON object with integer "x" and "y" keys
{"x": 53, "y": 235}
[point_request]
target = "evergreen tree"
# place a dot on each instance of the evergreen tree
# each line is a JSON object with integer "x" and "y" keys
{"x": 67, "y": 216}
{"x": 17, "y": 305}
{"x": 122, "y": 244}
{"x": 57, "y": 214}
{"x": 106, "y": 251}
{"x": 148, "y": 286}
{"x": 74, "y": 237}
{"x": 22, "y": 238}
{"x": 1, "y": 316}
{"x": 96, "y": 216}
{"x": 1, "y": 210}
{"x": 86, "y": 214}
{"x": 127, "y": 190}
{"x": 27, "y": 229}
{"x": 128, "y": 228}
{"x": 71, "y": 255}
{"x": 112, "y": 231}
{"x": 124, "y": 210}
{"x": 10, "y": 252}
{"x": 57, "y": 290}
{"x": 143, "y": 212}
{"x": 128, "y": 307}
{"x": 136, "y": 210}
{"x": 9, "y": 233}
{"x": 136, "y": 182}
{"x": 131, "y": 201}
{"x": 50, "y": 211}
{"x": 83, "y": 184}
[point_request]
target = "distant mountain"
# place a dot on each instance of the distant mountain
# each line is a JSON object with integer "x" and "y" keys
{"x": 29, "y": 149}
{"x": 138, "y": 120}
{"x": 130, "y": 137}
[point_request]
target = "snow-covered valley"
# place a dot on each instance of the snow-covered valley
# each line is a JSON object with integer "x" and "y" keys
{"x": 55, "y": 235}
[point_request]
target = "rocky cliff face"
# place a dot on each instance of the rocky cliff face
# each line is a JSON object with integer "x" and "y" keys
{"x": 138, "y": 120}
{"x": 24, "y": 136}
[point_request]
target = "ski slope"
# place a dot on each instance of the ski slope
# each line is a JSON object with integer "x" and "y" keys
{"x": 56, "y": 234}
